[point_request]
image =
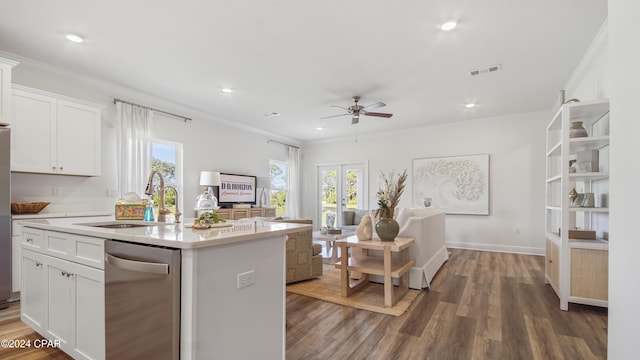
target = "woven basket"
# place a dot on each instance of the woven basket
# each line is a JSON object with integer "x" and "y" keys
{"x": 28, "y": 208}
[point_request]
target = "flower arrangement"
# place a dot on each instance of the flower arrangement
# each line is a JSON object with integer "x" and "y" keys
{"x": 390, "y": 188}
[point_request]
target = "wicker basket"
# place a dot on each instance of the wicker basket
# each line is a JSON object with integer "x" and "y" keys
{"x": 28, "y": 208}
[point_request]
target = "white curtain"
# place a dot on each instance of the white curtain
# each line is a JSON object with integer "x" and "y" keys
{"x": 134, "y": 148}
{"x": 293, "y": 200}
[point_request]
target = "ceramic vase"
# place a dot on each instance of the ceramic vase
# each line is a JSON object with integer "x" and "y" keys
{"x": 577, "y": 130}
{"x": 387, "y": 229}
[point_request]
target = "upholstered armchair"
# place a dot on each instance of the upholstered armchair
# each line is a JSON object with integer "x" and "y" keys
{"x": 303, "y": 257}
{"x": 427, "y": 226}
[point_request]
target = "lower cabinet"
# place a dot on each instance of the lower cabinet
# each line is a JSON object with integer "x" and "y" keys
{"x": 553, "y": 264}
{"x": 64, "y": 301}
{"x": 590, "y": 274}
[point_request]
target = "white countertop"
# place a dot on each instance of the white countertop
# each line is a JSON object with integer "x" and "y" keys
{"x": 60, "y": 215}
{"x": 173, "y": 235}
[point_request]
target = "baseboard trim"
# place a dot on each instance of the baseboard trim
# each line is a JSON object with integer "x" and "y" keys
{"x": 496, "y": 248}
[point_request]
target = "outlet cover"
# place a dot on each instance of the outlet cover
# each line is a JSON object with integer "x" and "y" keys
{"x": 245, "y": 279}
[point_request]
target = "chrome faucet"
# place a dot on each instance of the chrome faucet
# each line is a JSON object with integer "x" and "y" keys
{"x": 162, "y": 212}
{"x": 177, "y": 213}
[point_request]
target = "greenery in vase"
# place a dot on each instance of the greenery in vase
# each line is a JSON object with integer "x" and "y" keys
{"x": 390, "y": 188}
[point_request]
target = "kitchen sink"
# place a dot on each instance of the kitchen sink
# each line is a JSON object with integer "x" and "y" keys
{"x": 121, "y": 224}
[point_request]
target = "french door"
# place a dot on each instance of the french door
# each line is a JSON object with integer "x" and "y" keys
{"x": 341, "y": 187}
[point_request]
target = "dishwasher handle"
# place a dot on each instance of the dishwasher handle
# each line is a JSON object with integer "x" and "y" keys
{"x": 139, "y": 266}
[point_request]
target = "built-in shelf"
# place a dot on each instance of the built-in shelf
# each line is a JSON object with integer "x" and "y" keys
{"x": 589, "y": 209}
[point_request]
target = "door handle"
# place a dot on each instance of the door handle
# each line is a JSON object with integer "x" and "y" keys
{"x": 139, "y": 266}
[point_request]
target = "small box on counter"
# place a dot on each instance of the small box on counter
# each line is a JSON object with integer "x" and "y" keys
{"x": 582, "y": 234}
{"x": 130, "y": 211}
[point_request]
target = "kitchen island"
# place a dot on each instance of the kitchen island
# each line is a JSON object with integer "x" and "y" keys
{"x": 232, "y": 287}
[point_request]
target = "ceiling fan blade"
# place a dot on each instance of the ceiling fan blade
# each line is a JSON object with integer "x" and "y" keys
{"x": 384, "y": 115}
{"x": 373, "y": 106}
{"x": 332, "y": 116}
{"x": 343, "y": 108}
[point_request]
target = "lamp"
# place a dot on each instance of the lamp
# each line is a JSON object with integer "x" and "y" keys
{"x": 207, "y": 200}
{"x": 263, "y": 183}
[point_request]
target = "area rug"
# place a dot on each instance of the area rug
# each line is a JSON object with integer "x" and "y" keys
{"x": 371, "y": 297}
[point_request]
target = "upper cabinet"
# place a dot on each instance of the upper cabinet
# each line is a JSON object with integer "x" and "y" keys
{"x": 54, "y": 134}
{"x": 5, "y": 90}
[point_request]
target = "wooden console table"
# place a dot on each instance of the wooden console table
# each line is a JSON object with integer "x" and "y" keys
{"x": 368, "y": 265}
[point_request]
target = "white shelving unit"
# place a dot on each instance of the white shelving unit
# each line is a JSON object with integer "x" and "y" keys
{"x": 577, "y": 269}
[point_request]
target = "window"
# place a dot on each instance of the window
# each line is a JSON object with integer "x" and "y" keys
{"x": 279, "y": 186}
{"x": 166, "y": 157}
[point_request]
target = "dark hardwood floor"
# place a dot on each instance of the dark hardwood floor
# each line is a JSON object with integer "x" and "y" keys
{"x": 481, "y": 305}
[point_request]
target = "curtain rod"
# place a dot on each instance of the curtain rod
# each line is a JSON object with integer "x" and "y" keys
{"x": 285, "y": 144}
{"x": 150, "y": 108}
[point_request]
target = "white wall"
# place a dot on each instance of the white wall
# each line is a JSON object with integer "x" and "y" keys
{"x": 209, "y": 143}
{"x": 515, "y": 144}
{"x": 624, "y": 247}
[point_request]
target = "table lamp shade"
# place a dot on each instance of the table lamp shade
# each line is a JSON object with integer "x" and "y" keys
{"x": 263, "y": 182}
{"x": 210, "y": 178}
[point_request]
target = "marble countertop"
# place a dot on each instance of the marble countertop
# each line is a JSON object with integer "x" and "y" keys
{"x": 179, "y": 235}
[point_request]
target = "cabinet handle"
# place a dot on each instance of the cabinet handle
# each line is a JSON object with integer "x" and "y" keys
{"x": 54, "y": 168}
{"x": 69, "y": 274}
{"x": 64, "y": 273}
{"x": 61, "y": 168}
{"x": 38, "y": 264}
{"x": 29, "y": 239}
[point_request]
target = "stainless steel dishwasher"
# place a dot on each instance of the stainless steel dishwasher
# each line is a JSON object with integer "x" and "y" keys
{"x": 142, "y": 301}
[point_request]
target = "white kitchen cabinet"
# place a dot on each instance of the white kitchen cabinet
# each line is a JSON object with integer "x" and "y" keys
{"x": 62, "y": 297}
{"x": 75, "y": 308}
{"x": 54, "y": 134}
{"x": 16, "y": 255}
{"x": 33, "y": 302}
{"x": 5, "y": 90}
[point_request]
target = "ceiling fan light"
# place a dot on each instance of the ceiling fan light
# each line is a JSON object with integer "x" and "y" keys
{"x": 449, "y": 25}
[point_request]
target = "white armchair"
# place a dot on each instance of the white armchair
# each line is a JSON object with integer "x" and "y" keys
{"x": 427, "y": 226}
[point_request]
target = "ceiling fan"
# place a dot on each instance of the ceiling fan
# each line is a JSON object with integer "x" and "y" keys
{"x": 357, "y": 110}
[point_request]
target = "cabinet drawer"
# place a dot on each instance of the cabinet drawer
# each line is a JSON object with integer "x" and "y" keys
{"x": 33, "y": 238}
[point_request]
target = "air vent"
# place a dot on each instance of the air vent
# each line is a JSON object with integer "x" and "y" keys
{"x": 485, "y": 70}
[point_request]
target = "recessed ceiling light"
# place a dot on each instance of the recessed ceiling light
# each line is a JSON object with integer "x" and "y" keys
{"x": 449, "y": 25}
{"x": 319, "y": 128}
{"x": 470, "y": 105}
{"x": 227, "y": 90}
{"x": 271, "y": 114}
{"x": 75, "y": 38}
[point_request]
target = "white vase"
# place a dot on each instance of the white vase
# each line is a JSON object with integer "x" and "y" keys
{"x": 365, "y": 229}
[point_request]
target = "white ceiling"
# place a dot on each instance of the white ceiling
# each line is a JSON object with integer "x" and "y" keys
{"x": 299, "y": 57}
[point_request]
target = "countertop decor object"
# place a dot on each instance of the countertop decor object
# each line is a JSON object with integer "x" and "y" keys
{"x": 28, "y": 208}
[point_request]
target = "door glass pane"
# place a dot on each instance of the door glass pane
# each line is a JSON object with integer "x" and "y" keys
{"x": 328, "y": 197}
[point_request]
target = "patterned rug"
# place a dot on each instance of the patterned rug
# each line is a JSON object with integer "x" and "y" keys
{"x": 371, "y": 297}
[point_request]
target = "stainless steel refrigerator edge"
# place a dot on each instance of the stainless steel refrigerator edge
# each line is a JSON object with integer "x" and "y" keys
{"x": 5, "y": 216}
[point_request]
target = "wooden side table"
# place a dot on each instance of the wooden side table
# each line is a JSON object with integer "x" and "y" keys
{"x": 375, "y": 266}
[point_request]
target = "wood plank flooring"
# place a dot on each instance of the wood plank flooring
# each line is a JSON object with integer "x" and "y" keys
{"x": 481, "y": 305}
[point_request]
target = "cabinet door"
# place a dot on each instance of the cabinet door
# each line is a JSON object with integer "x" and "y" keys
{"x": 89, "y": 313}
{"x": 32, "y": 133}
{"x": 590, "y": 273}
{"x": 60, "y": 303}
{"x": 553, "y": 265}
{"x": 78, "y": 139}
{"x": 33, "y": 294}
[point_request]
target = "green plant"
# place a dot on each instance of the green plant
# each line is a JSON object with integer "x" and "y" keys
{"x": 209, "y": 217}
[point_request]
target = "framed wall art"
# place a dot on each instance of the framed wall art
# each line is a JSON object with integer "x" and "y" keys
{"x": 455, "y": 184}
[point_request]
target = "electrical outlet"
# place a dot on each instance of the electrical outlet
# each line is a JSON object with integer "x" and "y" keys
{"x": 57, "y": 191}
{"x": 517, "y": 230}
{"x": 247, "y": 278}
